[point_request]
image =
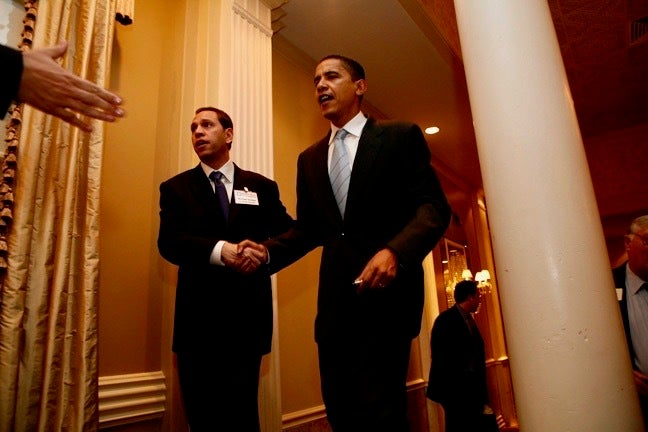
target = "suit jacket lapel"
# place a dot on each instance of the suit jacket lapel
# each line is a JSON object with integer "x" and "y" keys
{"x": 202, "y": 189}
{"x": 368, "y": 149}
{"x": 321, "y": 177}
{"x": 238, "y": 182}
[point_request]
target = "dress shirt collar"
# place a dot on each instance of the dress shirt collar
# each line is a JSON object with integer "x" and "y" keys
{"x": 227, "y": 169}
{"x": 354, "y": 126}
{"x": 633, "y": 282}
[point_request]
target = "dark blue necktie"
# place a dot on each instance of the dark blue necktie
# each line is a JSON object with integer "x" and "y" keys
{"x": 221, "y": 192}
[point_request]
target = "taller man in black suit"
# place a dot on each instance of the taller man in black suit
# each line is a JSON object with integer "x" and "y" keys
{"x": 631, "y": 280}
{"x": 223, "y": 318}
{"x": 370, "y": 297}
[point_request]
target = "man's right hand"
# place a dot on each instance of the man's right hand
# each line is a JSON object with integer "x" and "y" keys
{"x": 254, "y": 251}
{"x": 236, "y": 257}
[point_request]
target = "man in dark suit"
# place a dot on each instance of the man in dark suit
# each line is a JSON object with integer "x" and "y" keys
{"x": 631, "y": 280}
{"x": 370, "y": 297}
{"x": 223, "y": 318}
{"x": 458, "y": 372}
{"x": 35, "y": 78}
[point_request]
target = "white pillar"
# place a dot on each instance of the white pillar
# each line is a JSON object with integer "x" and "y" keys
{"x": 246, "y": 89}
{"x": 569, "y": 361}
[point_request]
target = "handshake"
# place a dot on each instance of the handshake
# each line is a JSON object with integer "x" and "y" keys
{"x": 244, "y": 257}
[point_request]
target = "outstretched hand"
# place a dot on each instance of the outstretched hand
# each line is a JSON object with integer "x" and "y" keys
{"x": 47, "y": 86}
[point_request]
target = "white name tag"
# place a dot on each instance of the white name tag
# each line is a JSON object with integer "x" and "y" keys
{"x": 619, "y": 294}
{"x": 246, "y": 197}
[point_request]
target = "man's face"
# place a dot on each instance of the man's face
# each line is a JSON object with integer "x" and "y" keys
{"x": 337, "y": 95}
{"x": 475, "y": 301}
{"x": 210, "y": 141}
{"x": 636, "y": 246}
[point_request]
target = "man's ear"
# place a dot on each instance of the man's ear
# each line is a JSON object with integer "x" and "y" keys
{"x": 361, "y": 87}
{"x": 229, "y": 132}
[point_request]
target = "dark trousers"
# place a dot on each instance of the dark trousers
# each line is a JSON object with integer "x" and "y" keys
{"x": 460, "y": 418}
{"x": 220, "y": 391}
{"x": 364, "y": 384}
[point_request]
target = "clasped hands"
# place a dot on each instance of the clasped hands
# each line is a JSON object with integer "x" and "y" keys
{"x": 244, "y": 257}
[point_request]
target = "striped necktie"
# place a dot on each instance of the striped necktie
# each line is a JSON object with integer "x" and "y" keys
{"x": 340, "y": 171}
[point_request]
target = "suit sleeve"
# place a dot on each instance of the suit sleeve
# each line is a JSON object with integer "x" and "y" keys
{"x": 10, "y": 74}
{"x": 301, "y": 238}
{"x": 178, "y": 241}
{"x": 432, "y": 211}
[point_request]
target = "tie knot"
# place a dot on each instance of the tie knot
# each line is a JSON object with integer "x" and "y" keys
{"x": 216, "y": 176}
{"x": 341, "y": 134}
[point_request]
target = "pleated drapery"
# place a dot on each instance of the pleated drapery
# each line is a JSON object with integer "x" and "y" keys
{"x": 48, "y": 297}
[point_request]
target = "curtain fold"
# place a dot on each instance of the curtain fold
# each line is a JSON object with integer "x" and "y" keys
{"x": 48, "y": 298}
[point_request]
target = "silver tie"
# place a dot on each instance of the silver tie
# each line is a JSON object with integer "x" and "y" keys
{"x": 340, "y": 171}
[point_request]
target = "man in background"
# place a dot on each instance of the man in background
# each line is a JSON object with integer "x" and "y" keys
{"x": 223, "y": 317}
{"x": 458, "y": 371}
{"x": 631, "y": 280}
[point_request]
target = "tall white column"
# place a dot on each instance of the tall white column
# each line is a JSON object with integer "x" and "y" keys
{"x": 246, "y": 89}
{"x": 569, "y": 361}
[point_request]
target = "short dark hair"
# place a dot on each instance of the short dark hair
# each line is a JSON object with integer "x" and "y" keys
{"x": 355, "y": 69}
{"x": 465, "y": 289}
{"x": 224, "y": 118}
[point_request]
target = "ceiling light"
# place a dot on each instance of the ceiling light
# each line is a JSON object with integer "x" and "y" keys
{"x": 432, "y": 130}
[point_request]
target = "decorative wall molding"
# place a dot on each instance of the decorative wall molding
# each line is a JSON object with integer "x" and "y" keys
{"x": 302, "y": 417}
{"x": 316, "y": 413}
{"x": 131, "y": 398}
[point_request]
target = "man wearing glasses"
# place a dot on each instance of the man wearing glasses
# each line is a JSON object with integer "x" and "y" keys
{"x": 631, "y": 280}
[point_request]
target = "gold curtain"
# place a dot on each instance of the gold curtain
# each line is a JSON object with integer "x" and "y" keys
{"x": 48, "y": 297}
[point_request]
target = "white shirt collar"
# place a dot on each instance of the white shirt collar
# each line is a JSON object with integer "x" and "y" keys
{"x": 227, "y": 169}
{"x": 354, "y": 126}
{"x": 633, "y": 282}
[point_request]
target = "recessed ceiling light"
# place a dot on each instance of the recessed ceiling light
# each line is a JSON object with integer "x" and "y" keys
{"x": 432, "y": 130}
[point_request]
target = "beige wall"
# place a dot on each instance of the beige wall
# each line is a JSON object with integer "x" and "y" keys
{"x": 136, "y": 290}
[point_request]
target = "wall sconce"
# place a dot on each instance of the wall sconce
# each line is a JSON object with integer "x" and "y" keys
{"x": 466, "y": 274}
{"x": 483, "y": 278}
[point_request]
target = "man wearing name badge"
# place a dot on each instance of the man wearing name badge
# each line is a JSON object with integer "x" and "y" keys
{"x": 223, "y": 313}
{"x": 631, "y": 280}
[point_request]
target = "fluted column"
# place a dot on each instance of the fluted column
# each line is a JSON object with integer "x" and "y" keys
{"x": 569, "y": 362}
{"x": 246, "y": 87}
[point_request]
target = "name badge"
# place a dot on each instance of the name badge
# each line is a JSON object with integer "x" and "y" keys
{"x": 619, "y": 294}
{"x": 246, "y": 197}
